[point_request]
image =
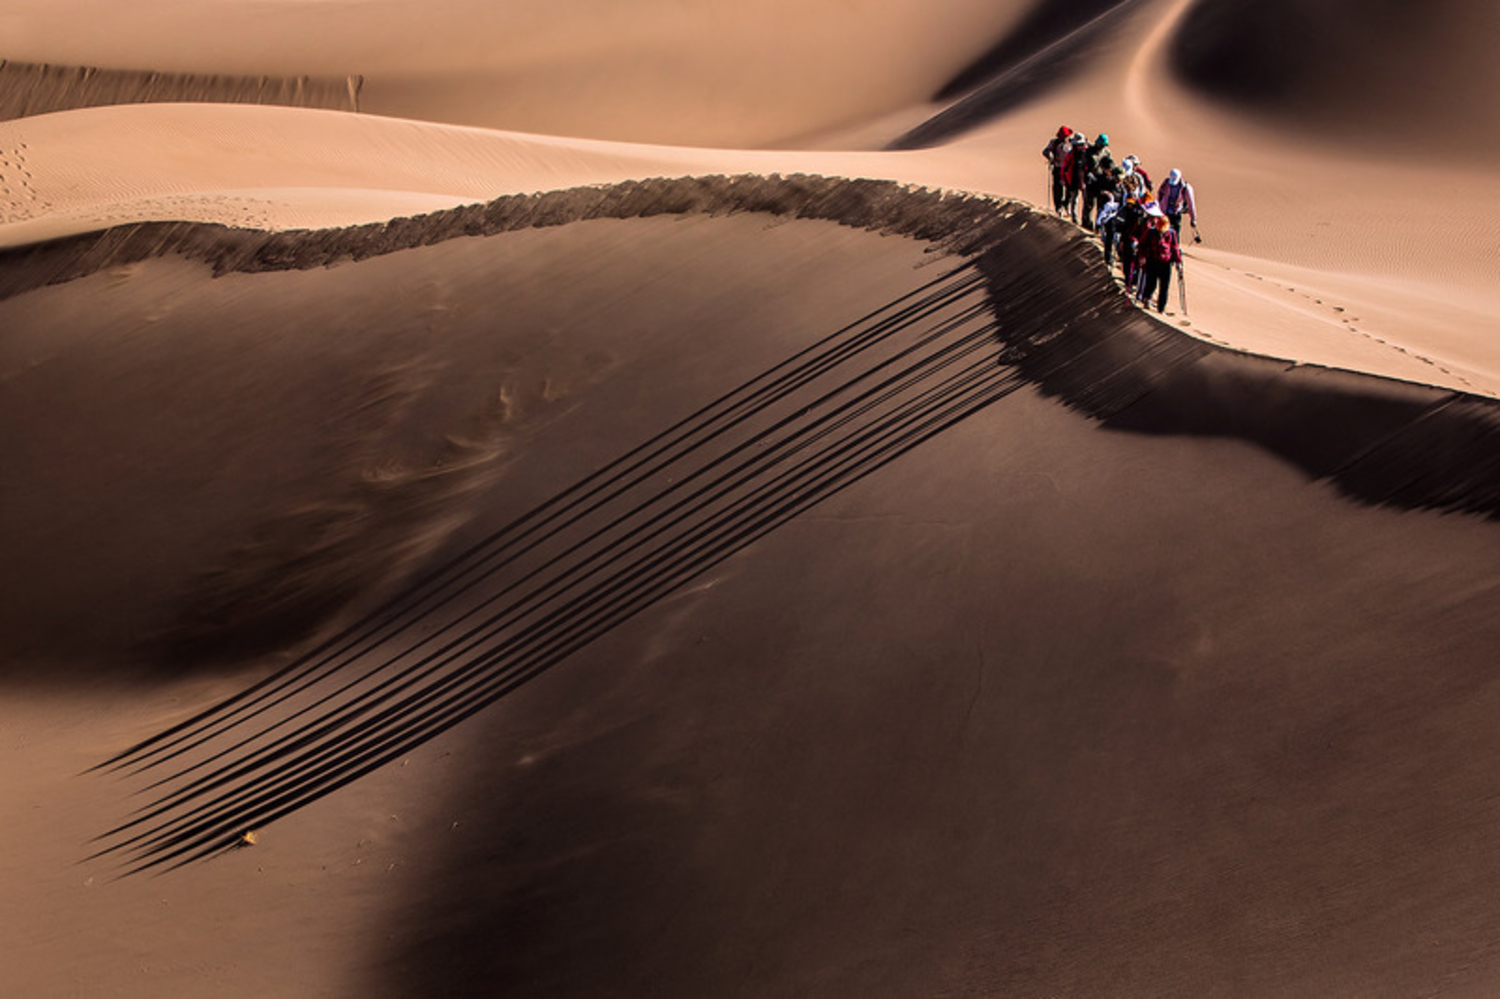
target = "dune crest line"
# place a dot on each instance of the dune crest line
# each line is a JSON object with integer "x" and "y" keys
{"x": 31, "y": 88}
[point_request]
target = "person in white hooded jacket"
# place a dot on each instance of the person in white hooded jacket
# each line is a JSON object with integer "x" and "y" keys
{"x": 1175, "y": 196}
{"x": 1133, "y": 183}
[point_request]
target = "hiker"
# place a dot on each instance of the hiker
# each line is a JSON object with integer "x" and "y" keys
{"x": 1112, "y": 191}
{"x": 1131, "y": 183}
{"x": 1054, "y": 152}
{"x": 1160, "y": 251}
{"x": 1140, "y": 171}
{"x": 1073, "y": 170}
{"x": 1129, "y": 226}
{"x": 1175, "y": 197}
{"x": 1109, "y": 211}
{"x": 1100, "y": 182}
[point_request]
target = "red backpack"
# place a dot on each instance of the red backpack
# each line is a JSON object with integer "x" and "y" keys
{"x": 1162, "y": 245}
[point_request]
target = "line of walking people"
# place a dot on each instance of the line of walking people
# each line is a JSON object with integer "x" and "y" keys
{"x": 1140, "y": 225}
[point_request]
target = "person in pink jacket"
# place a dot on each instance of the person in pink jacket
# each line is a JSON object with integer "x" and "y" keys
{"x": 1175, "y": 196}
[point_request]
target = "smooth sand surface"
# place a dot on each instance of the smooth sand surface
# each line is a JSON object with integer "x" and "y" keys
{"x": 1164, "y": 670}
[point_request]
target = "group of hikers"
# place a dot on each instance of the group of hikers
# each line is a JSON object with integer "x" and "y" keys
{"x": 1139, "y": 224}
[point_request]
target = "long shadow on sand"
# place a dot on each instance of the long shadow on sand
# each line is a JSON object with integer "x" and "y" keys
{"x": 566, "y": 573}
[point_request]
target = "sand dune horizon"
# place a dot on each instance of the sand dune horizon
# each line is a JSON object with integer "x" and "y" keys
{"x": 627, "y": 500}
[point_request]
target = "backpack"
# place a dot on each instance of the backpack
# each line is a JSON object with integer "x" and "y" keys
{"x": 1173, "y": 197}
{"x": 1162, "y": 245}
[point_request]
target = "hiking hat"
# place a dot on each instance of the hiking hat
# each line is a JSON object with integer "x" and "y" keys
{"x": 1103, "y": 139}
{"x": 1154, "y": 210}
{"x": 1064, "y": 132}
{"x": 1174, "y": 175}
{"x": 1078, "y": 139}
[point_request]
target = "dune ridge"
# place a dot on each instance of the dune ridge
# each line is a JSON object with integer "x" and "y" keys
{"x": 39, "y": 88}
{"x": 1090, "y": 346}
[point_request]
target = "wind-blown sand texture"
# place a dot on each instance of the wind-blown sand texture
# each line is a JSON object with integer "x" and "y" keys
{"x": 555, "y": 543}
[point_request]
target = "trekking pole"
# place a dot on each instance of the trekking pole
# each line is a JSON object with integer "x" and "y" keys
{"x": 1182, "y": 287}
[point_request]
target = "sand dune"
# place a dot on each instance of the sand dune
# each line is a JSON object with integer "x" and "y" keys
{"x": 596, "y": 566}
{"x": 34, "y": 88}
{"x": 709, "y": 73}
{"x": 1386, "y": 78}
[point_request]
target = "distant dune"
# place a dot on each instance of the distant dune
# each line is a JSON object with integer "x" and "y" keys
{"x": 31, "y": 88}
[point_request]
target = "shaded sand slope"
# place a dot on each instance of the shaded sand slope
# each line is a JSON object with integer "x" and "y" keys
{"x": 1044, "y": 26}
{"x": 622, "y": 323}
{"x": 1374, "y": 75}
{"x": 1043, "y": 709}
{"x": 1013, "y": 712}
{"x": 1058, "y": 45}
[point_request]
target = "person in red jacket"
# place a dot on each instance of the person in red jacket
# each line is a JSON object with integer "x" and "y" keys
{"x": 1160, "y": 252}
{"x": 1054, "y": 152}
{"x": 1073, "y": 170}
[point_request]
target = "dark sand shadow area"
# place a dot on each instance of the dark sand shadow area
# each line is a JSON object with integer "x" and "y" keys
{"x": 216, "y": 468}
{"x": 591, "y": 333}
{"x": 1044, "y": 25}
{"x": 1054, "y": 43}
{"x": 1040, "y": 708}
{"x": 1406, "y": 80}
